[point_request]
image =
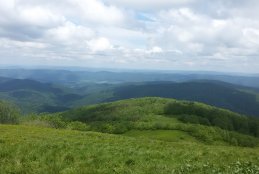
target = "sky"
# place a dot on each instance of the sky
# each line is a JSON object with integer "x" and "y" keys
{"x": 218, "y": 35}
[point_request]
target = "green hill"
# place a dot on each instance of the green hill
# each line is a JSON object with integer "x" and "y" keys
{"x": 233, "y": 97}
{"x": 35, "y": 96}
{"x": 145, "y": 135}
{"x": 203, "y": 122}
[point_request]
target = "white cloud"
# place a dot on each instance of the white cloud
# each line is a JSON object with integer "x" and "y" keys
{"x": 96, "y": 12}
{"x": 40, "y": 17}
{"x": 10, "y": 44}
{"x": 20, "y": 22}
{"x": 12, "y": 12}
{"x": 194, "y": 33}
{"x": 158, "y": 34}
{"x": 155, "y": 49}
{"x": 130, "y": 38}
{"x": 149, "y": 4}
{"x": 252, "y": 35}
{"x": 99, "y": 44}
{"x": 70, "y": 33}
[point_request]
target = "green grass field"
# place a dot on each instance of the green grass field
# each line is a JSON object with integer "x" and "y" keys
{"x": 163, "y": 135}
{"x": 25, "y": 149}
{"x": 135, "y": 136}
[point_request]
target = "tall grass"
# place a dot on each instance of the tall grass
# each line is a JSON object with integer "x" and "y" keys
{"x": 26, "y": 149}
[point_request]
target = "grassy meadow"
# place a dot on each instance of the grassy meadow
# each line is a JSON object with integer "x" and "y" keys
{"x": 28, "y": 149}
{"x": 135, "y": 136}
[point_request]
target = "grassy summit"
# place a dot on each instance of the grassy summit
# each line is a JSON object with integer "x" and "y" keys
{"x": 25, "y": 149}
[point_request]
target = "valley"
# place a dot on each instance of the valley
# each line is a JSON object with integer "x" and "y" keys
{"x": 36, "y": 96}
{"x": 197, "y": 126}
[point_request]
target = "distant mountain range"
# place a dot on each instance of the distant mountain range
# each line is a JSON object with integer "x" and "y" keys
{"x": 36, "y": 96}
{"x": 236, "y": 98}
{"x": 81, "y": 77}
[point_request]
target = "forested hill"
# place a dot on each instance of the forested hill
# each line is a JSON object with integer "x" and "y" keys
{"x": 35, "y": 96}
{"x": 17, "y": 84}
{"x": 132, "y": 113}
{"x": 233, "y": 97}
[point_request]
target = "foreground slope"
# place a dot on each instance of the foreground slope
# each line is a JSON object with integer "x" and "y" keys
{"x": 26, "y": 149}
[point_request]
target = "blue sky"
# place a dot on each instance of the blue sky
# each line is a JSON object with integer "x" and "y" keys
{"x": 220, "y": 35}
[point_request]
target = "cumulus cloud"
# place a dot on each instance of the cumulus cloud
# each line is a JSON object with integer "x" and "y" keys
{"x": 171, "y": 34}
{"x": 149, "y": 4}
{"x": 99, "y": 44}
{"x": 69, "y": 33}
{"x": 155, "y": 49}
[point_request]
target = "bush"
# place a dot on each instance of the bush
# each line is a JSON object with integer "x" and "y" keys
{"x": 111, "y": 127}
{"x": 9, "y": 114}
{"x": 77, "y": 125}
{"x": 55, "y": 121}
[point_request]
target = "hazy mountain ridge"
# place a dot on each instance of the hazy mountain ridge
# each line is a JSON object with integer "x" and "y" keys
{"x": 79, "y": 77}
{"x": 34, "y": 96}
{"x": 214, "y": 93}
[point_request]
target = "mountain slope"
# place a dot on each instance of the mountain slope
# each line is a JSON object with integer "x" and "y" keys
{"x": 157, "y": 135}
{"x": 34, "y": 96}
{"x": 169, "y": 114}
{"x": 211, "y": 92}
{"x": 31, "y": 150}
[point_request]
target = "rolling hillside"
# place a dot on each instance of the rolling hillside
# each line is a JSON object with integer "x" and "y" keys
{"x": 169, "y": 114}
{"x": 225, "y": 95}
{"x": 35, "y": 96}
{"x": 31, "y": 150}
{"x": 153, "y": 135}
{"x": 153, "y": 138}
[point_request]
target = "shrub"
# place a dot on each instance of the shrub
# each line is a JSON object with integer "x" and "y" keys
{"x": 111, "y": 127}
{"x": 9, "y": 114}
{"x": 55, "y": 121}
{"x": 77, "y": 125}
